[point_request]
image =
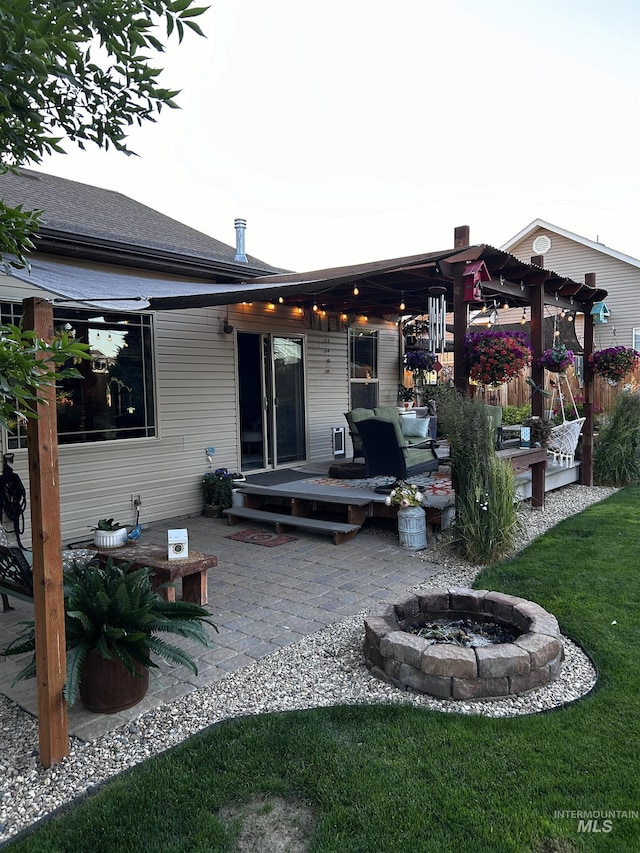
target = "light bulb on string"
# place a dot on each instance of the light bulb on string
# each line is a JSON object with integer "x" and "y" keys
{"x": 523, "y": 319}
{"x": 356, "y": 290}
{"x": 402, "y": 303}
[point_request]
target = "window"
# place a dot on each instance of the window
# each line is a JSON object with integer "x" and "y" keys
{"x": 363, "y": 368}
{"x": 636, "y": 339}
{"x": 114, "y": 398}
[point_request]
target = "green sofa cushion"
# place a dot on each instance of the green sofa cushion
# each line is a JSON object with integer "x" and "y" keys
{"x": 360, "y": 414}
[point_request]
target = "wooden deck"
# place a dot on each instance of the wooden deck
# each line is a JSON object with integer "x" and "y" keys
{"x": 340, "y": 511}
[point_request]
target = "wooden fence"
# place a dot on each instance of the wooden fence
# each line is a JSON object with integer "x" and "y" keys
{"x": 518, "y": 392}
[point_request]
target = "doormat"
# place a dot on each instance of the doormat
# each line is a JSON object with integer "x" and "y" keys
{"x": 262, "y": 537}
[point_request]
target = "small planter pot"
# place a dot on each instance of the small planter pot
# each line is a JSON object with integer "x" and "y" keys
{"x": 110, "y": 538}
{"x": 107, "y": 686}
{"x": 412, "y": 527}
{"x": 212, "y": 510}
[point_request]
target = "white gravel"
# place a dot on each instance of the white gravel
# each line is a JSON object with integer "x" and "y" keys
{"x": 324, "y": 669}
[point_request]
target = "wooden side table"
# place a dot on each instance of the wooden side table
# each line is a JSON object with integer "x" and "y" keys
{"x": 193, "y": 570}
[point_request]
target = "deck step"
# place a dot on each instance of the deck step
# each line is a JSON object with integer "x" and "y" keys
{"x": 283, "y": 522}
{"x": 270, "y": 491}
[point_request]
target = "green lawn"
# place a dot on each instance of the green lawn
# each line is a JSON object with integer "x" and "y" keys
{"x": 399, "y": 778}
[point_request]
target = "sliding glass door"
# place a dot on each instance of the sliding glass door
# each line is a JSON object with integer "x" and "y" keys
{"x": 271, "y": 393}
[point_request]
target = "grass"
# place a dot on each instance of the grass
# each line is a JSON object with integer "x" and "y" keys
{"x": 399, "y": 778}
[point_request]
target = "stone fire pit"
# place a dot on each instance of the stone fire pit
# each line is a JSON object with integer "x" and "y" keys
{"x": 450, "y": 671}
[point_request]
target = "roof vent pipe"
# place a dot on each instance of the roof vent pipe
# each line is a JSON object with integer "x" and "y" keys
{"x": 241, "y": 225}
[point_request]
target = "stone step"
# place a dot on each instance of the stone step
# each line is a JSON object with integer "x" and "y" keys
{"x": 340, "y": 531}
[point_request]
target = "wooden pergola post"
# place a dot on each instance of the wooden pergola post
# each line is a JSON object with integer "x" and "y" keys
{"x": 536, "y": 295}
{"x": 48, "y": 598}
{"x": 460, "y": 369}
{"x": 586, "y": 469}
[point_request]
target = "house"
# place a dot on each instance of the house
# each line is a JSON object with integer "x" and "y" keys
{"x": 263, "y": 383}
{"x": 571, "y": 255}
{"x": 203, "y": 356}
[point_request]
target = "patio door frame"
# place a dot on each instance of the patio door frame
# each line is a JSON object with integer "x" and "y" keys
{"x": 267, "y": 437}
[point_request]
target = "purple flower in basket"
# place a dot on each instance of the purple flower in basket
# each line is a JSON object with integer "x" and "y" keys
{"x": 614, "y": 363}
{"x": 557, "y": 359}
{"x": 419, "y": 360}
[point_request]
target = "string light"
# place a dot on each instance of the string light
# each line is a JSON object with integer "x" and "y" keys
{"x": 402, "y": 305}
{"x": 523, "y": 319}
{"x": 505, "y": 306}
{"x": 356, "y": 290}
{"x": 280, "y": 299}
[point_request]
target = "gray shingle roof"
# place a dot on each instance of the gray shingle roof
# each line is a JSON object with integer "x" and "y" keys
{"x": 108, "y": 217}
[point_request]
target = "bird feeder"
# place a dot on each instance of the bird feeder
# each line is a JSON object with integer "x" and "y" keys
{"x": 475, "y": 272}
{"x": 600, "y": 313}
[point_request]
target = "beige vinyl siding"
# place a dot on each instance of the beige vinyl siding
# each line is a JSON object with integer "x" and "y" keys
{"x": 620, "y": 279}
{"x": 196, "y": 408}
{"x": 389, "y": 364}
{"x": 327, "y": 390}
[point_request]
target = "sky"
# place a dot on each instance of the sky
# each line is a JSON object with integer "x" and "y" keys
{"x": 349, "y": 131}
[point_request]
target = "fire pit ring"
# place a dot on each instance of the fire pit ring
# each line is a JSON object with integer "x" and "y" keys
{"x": 449, "y": 671}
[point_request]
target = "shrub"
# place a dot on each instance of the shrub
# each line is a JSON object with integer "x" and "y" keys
{"x": 486, "y": 512}
{"x": 217, "y": 488}
{"x": 616, "y": 455}
{"x": 515, "y": 414}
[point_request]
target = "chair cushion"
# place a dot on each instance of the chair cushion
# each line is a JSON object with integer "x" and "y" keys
{"x": 415, "y": 427}
{"x": 359, "y": 414}
{"x": 389, "y": 413}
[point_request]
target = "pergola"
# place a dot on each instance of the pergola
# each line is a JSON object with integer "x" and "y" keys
{"x": 467, "y": 275}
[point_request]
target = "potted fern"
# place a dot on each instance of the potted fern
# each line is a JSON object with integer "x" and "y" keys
{"x": 114, "y": 622}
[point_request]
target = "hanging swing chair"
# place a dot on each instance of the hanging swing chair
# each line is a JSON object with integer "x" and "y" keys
{"x": 564, "y": 436}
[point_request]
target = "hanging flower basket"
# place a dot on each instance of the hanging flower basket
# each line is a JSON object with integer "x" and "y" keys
{"x": 614, "y": 363}
{"x": 420, "y": 362}
{"x": 557, "y": 359}
{"x": 496, "y": 357}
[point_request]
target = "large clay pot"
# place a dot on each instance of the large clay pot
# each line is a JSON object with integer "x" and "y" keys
{"x": 107, "y": 686}
{"x": 412, "y": 527}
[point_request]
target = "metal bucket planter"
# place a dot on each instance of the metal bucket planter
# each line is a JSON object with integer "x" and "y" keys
{"x": 412, "y": 527}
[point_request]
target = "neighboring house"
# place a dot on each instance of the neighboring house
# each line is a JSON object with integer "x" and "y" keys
{"x": 263, "y": 383}
{"x": 571, "y": 255}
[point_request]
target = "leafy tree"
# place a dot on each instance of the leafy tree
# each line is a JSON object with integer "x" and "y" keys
{"x": 77, "y": 70}
{"x": 28, "y": 364}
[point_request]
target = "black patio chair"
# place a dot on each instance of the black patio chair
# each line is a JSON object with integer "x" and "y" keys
{"x": 386, "y": 453}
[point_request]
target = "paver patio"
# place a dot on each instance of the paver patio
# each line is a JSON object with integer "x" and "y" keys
{"x": 260, "y": 598}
